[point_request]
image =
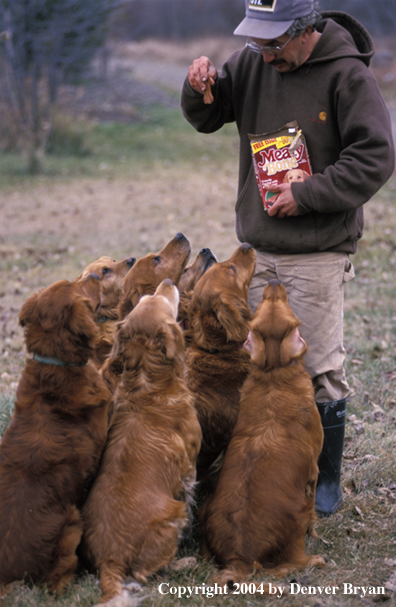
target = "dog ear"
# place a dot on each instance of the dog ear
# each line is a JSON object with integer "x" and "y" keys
{"x": 184, "y": 303}
{"x": 256, "y": 348}
{"x": 91, "y": 288}
{"x": 138, "y": 293}
{"x": 292, "y": 347}
{"x": 232, "y": 314}
{"x": 115, "y": 361}
{"x": 195, "y": 322}
{"x": 124, "y": 307}
{"x": 128, "y": 302}
{"x": 81, "y": 321}
{"x": 28, "y": 310}
{"x": 173, "y": 341}
{"x": 42, "y": 312}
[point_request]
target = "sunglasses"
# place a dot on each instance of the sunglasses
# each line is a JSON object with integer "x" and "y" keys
{"x": 270, "y": 50}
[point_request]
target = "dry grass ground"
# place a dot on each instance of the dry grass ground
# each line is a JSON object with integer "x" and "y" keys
{"x": 54, "y": 225}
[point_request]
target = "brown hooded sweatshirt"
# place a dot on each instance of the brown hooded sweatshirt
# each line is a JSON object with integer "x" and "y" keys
{"x": 336, "y": 101}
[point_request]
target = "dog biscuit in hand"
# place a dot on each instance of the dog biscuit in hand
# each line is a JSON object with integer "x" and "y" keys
{"x": 208, "y": 97}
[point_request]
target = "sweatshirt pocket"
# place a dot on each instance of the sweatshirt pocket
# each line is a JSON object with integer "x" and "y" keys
{"x": 297, "y": 234}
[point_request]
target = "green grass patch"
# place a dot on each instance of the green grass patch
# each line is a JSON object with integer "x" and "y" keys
{"x": 164, "y": 138}
{"x": 68, "y": 137}
{"x": 80, "y": 149}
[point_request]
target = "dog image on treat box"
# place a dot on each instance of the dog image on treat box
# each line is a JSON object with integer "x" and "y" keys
{"x": 295, "y": 175}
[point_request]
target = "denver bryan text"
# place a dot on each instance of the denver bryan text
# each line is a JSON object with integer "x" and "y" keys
{"x": 345, "y": 588}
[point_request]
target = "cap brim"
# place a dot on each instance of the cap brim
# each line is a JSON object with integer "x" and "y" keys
{"x": 258, "y": 28}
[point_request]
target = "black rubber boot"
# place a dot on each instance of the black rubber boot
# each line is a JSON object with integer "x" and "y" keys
{"x": 328, "y": 490}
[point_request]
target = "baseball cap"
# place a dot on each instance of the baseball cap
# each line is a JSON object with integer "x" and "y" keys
{"x": 268, "y": 19}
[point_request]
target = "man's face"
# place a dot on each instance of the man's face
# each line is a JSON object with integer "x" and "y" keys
{"x": 291, "y": 57}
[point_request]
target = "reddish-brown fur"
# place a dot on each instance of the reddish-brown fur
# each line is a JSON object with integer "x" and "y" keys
{"x": 153, "y": 268}
{"x": 51, "y": 450}
{"x": 191, "y": 274}
{"x": 263, "y": 505}
{"x": 139, "y": 503}
{"x": 217, "y": 363}
{"x": 111, "y": 274}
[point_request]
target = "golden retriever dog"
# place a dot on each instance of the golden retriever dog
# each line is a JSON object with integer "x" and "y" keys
{"x": 50, "y": 452}
{"x": 191, "y": 274}
{"x": 143, "y": 279}
{"x": 217, "y": 363}
{"x": 295, "y": 175}
{"x": 264, "y": 500}
{"x": 149, "y": 271}
{"x": 111, "y": 274}
{"x": 139, "y": 504}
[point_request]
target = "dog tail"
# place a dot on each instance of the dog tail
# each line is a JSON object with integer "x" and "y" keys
{"x": 110, "y": 576}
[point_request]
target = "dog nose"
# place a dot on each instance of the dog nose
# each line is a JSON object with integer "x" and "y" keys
{"x": 180, "y": 236}
{"x": 245, "y": 246}
{"x": 131, "y": 262}
{"x": 93, "y": 276}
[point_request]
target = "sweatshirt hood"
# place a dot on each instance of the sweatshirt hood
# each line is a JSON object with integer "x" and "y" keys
{"x": 342, "y": 36}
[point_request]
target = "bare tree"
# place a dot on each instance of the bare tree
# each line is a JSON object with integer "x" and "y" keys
{"x": 44, "y": 43}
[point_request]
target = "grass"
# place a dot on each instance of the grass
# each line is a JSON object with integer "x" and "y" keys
{"x": 114, "y": 150}
{"x": 168, "y": 140}
{"x": 138, "y": 186}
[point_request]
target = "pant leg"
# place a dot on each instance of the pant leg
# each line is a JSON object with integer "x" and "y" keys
{"x": 315, "y": 287}
{"x": 264, "y": 271}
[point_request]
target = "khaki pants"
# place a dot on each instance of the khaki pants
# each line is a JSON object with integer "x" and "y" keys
{"x": 315, "y": 286}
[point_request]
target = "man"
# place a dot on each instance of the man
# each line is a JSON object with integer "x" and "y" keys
{"x": 301, "y": 65}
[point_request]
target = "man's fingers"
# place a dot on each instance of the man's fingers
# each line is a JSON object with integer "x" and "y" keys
{"x": 273, "y": 210}
{"x": 202, "y": 74}
{"x": 276, "y": 188}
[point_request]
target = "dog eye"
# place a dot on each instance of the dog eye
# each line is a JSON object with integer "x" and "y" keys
{"x": 232, "y": 268}
{"x": 157, "y": 259}
{"x": 106, "y": 271}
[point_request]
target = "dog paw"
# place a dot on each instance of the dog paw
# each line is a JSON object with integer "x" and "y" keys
{"x": 132, "y": 586}
{"x": 257, "y": 567}
{"x": 317, "y": 561}
{"x": 188, "y": 562}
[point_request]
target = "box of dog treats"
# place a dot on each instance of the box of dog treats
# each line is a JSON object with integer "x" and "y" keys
{"x": 279, "y": 157}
